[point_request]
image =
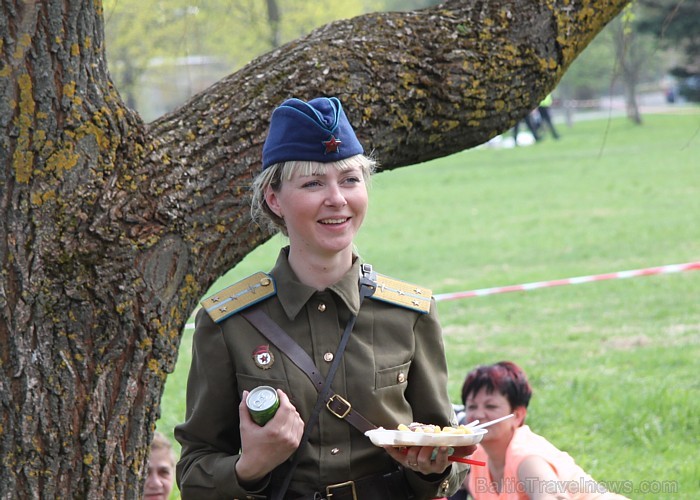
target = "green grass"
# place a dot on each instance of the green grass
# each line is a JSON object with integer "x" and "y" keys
{"x": 614, "y": 363}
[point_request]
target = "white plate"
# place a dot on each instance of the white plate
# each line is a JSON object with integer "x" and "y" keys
{"x": 384, "y": 437}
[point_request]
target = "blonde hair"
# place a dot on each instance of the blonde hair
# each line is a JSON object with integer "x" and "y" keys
{"x": 160, "y": 442}
{"x": 276, "y": 174}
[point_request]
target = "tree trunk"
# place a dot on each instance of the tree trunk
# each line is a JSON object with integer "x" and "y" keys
{"x": 273, "y": 20}
{"x": 629, "y": 60}
{"x": 111, "y": 230}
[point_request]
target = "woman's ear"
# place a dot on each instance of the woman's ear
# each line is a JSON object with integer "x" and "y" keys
{"x": 520, "y": 414}
{"x": 273, "y": 202}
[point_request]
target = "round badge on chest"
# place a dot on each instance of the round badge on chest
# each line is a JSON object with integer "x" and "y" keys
{"x": 263, "y": 357}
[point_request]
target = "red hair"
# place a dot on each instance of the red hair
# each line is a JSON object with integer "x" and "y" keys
{"x": 505, "y": 377}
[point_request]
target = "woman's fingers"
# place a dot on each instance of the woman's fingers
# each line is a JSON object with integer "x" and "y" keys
{"x": 423, "y": 459}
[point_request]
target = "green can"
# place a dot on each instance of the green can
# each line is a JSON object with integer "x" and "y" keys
{"x": 262, "y": 404}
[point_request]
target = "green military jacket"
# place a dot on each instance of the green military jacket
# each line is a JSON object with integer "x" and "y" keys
{"x": 393, "y": 371}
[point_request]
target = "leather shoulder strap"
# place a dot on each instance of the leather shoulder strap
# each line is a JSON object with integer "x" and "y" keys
{"x": 339, "y": 406}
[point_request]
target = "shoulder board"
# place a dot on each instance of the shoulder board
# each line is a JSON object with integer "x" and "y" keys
{"x": 402, "y": 294}
{"x": 239, "y": 296}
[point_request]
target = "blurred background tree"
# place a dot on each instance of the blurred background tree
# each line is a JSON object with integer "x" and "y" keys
{"x": 676, "y": 26}
{"x": 676, "y": 23}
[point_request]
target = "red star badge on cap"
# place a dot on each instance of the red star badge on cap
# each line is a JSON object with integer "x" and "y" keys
{"x": 332, "y": 145}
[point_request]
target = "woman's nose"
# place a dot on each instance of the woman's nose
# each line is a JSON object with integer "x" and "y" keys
{"x": 474, "y": 415}
{"x": 335, "y": 196}
{"x": 153, "y": 480}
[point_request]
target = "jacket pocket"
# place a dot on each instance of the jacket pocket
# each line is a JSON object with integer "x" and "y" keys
{"x": 395, "y": 375}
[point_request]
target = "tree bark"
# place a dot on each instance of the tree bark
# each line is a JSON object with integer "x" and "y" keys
{"x": 112, "y": 229}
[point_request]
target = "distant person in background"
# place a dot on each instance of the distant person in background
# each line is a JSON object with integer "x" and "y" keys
{"x": 531, "y": 125}
{"x": 160, "y": 476}
{"x": 519, "y": 463}
{"x": 546, "y": 118}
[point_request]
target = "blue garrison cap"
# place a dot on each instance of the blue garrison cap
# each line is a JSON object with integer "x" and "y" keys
{"x": 317, "y": 130}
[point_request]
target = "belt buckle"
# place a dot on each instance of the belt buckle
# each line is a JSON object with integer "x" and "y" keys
{"x": 343, "y": 401}
{"x": 351, "y": 484}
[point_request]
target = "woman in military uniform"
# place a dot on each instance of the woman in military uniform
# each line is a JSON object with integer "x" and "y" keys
{"x": 384, "y": 355}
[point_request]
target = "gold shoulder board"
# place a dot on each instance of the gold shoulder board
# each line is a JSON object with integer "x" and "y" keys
{"x": 402, "y": 294}
{"x": 238, "y": 296}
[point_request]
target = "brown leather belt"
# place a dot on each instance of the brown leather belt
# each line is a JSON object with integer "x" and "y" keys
{"x": 337, "y": 405}
{"x": 390, "y": 486}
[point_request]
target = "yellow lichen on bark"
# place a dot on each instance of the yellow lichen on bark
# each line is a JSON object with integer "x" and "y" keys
{"x": 69, "y": 89}
{"x": 39, "y": 199}
{"x": 23, "y": 157}
{"x": 154, "y": 366}
{"x": 62, "y": 160}
{"x": 402, "y": 121}
{"x": 24, "y": 42}
{"x": 590, "y": 13}
{"x": 191, "y": 287}
{"x": 122, "y": 307}
{"x": 449, "y": 125}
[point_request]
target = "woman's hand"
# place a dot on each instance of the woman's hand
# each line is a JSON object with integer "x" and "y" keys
{"x": 264, "y": 448}
{"x": 427, "y": 459}
{"x": 421, "y": 458}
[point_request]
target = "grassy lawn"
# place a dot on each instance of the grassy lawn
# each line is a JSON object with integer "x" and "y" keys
{"x": 614, "y": 363}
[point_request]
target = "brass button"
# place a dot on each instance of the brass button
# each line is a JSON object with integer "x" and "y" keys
{"x": 335, "y": 451}
{"x": 322, "y": 307}
{"x": 265, "y": 282}
{"x": 401, "y": 378}
{"x": 328, "y": 357}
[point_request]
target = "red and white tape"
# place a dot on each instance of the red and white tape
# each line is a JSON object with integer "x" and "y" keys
{"x": 650, "y": 271}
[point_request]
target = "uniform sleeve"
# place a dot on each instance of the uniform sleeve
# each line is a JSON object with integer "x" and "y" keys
{"x": 210, "y": 435}
{"x": 427, "y": 394}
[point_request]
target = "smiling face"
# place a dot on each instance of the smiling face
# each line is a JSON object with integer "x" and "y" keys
{"x": 322, "y": 211}
{"x": 485, "y": 406}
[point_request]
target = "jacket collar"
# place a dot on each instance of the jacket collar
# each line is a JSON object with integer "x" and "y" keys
{"x": 293, "y": 294}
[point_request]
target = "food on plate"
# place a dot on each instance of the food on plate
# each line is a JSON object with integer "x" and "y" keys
{"x": 435, "y": 429}
{"x": 426, "y": 435}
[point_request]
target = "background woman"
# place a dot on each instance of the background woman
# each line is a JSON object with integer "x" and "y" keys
{"x": 519, "y": 463}
{"x": 160, "y": 474}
